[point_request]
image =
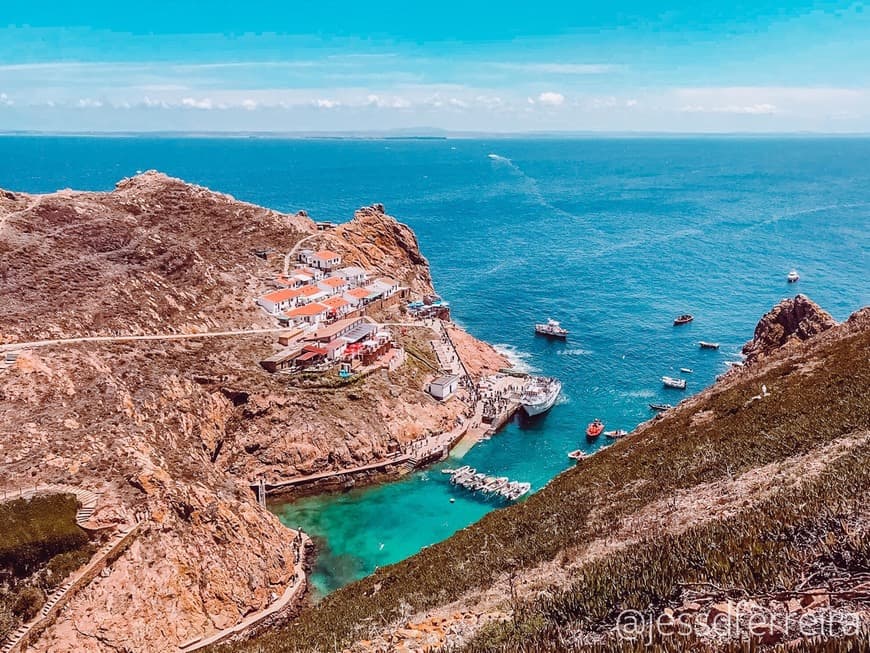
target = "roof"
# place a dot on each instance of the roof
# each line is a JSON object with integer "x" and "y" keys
{"x": 334, "y": 282}
{"x": 308, "y": 291}
{"x": 281, "y": 295}
{"x": 447, "y": 379}
{"x": 359, "y": 293}
{"x": 387, "y": 280}
{"x": 328, "y": 333}
{"x": 307, "y": 356}
{"x": 283, "y": 355}
{"x": 315, "y": 308}
{"x": 336, "y": 344}
{"x": 335, "y": 302}
{"x": 326, "y": 254}
{"x": 352, "y": 270}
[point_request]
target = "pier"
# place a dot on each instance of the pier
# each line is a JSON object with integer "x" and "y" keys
{"x": 471, "y": 479}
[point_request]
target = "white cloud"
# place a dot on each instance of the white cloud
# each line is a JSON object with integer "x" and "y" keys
{"x": 193, "y": 103}
{"x": 249, "y": 104}
{"x": 326, "y": 104}
{"x": 387, "y": 102}
{"x": 551, "y": 99}
{"x": 152, "y": 104}
{"x": 751, "y": 109}
{"x": 561, "y": 68}
{"x": 88, "y": 103}
{"x": 630, "y": 103}
{"x": 5, "y": 101}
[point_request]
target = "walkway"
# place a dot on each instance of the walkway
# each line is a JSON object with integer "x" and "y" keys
{"x": 289, "y": 256}
{"x": 65, "y": 592}
{"x": 87, "y": 499}
{"x": 297, "y": 584}
{"x": 158, "y": 336}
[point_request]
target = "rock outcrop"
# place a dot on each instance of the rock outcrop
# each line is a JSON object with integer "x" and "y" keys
{"x": 791, "y": 320}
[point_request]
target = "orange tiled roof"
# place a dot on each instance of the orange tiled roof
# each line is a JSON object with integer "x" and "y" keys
{"x": 281, "y": 295}
{"x": 359, "y": 293}
{"x": 326, "y": 254}
{"x": 306, "y": 311}
{"x": 307, "y": 291}
{"x": 335, "y": 302}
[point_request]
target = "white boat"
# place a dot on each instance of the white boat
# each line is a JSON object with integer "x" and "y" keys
{"x": 686, "y": 370}
{"x": 578, "y": 455}
{"x": 708, "y": 345}
{"x": 793, "y": 276}
{"x": 618, "y": 433}
{"x": 671, "y": 382}
{"x": 551, "y": 328}
{"x": 540, "y": 394}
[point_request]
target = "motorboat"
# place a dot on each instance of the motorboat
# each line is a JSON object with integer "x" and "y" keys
{"x": 708, "y": 345}
{"x": 671, "y": 382}
{"x": 685, "y": 318}
{"x": 686, "y": 370}
{"x": 660, "y": 407}
{"x": 578, "y": 455}
{"x": 595, "y": 428}
{"x": 540, "y": 394}
{"x": 552, "y": 329}
{"x": 615, "y": 435}
{"x": 793, "y": 276}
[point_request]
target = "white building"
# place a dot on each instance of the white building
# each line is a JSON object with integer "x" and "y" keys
{"x": 385, "y": 286}
{"x": 313, "y": 313}
{"x": 444, "y": 387}
{"x": 354, "y": 275}
{"x": 323, "y": 259}
{"x": 333, "y": 285}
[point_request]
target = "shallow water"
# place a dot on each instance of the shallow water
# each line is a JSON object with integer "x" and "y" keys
{"x": 614, "y": 237}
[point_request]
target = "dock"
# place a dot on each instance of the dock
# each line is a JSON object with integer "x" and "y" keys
{"x": 470, "y": 479}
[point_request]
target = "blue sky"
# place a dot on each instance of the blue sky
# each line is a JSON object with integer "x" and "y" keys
{"x": 508, "y": 66}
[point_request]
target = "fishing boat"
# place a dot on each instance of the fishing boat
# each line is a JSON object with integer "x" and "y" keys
{"x": 540, "y": 394}
{"x": 686, "y": 370}
{"x": 552, "y": 329}
{"x": 660, "y": 407}
{"x": 618, "y": 433}
{"x": 671, "y": 382}
{"x": 708, "y": 345}
{"x": 578, "y": 455}
{"x": 685, "y": 318}
{"x": 793, "y": 276}
{"x": 595, "y": 428}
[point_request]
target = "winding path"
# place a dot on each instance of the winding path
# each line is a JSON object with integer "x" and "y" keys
{"x": 157, "y": 336}
{"x": 289, "y": 256}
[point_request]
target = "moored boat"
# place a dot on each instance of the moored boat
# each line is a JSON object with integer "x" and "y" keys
{"x": 595, "y": 428}
{"x": 708, "y": 345}
{"x": 671, "y": 382}
{"x": 660, "y": 407}
{"x": 552, "y": 329}
{"x": 540, "y": 394}
{"x": 793, "y": 276}
{"x": 686, "y": 370}
{"x": 618, "y": 433}
{"x": 685, "y": 318}
{"x": 578, "y": 455}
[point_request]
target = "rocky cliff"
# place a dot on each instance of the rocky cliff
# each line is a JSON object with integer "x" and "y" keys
{"x": 177, "y": 429}
{"x": 789, "y": 322}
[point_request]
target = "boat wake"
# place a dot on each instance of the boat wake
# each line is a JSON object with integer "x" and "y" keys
{"x": 574, "y": 352}
{"x": 519, "y": 360}
{"x": 499, "y": 157}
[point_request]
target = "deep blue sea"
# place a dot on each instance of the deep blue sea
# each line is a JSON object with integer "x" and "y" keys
{"x": 612, "y": 236}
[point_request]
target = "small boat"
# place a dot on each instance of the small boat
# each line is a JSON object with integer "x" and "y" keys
{"x": 595, "y": 428}
{"x": 734, "y": 363}
{"x": 552, "y": 329}
{"x": 618, "y": 433}
{"x": 793, "y": 276}
{"x": 685, "y": 318}
{"x": 686, "y": 370}
{"x": 578, "y": 455}
{"x": 671, "y": 382}
{"x": 708, "y": 345}
{"x": 660, "y": 407}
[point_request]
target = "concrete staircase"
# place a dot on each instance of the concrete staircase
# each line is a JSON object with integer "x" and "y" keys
{"x": 87, "y": 499}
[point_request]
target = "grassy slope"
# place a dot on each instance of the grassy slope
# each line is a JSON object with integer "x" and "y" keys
{"x": 809, "y": 407}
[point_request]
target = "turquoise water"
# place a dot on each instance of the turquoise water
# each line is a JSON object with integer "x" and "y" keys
{"x": 614, "y": 237}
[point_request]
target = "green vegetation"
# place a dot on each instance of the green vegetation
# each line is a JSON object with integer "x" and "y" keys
{"x": 40, "y": 545}
{"x": 808, "y": 408}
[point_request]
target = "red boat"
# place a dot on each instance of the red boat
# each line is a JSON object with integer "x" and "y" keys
{"x": 595, "y": 429}
{"x": 685, "y": 318}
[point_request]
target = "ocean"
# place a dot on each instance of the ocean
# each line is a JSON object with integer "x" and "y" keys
{"x": 614, "y": 237}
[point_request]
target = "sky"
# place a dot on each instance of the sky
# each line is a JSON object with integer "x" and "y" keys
{"x": 337, "y": 66}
